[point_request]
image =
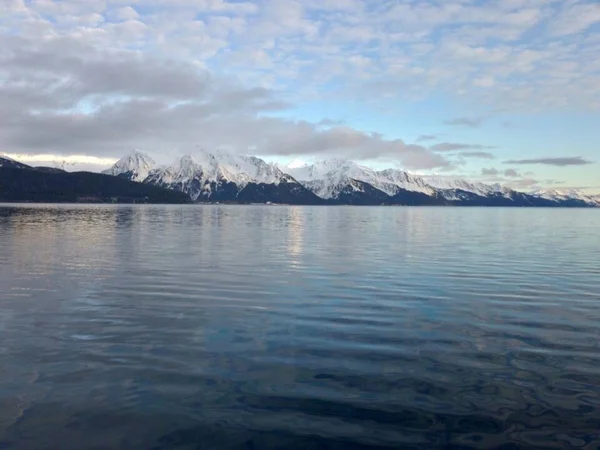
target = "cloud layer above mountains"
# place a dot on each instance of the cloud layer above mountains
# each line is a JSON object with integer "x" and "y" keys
{"x": 69, "y": 96}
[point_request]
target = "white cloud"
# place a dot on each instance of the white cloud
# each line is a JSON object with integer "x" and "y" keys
{"x": 411, "y": 49}
{"x": 575, "y": 19}
{"x": 349, "y": 5}
{"x": 486, "y": 81}
{"x": 15, "y": 6}
{"x": 68, "y": 95}
{"x": 61, "y": 160}
{"x": 126, "y": 13}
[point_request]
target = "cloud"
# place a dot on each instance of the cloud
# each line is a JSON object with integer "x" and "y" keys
{"x": 489, "y": 172}
{"x": 126, "y": 13}
{"x": 351, "y": 5}
{"x": 575, "y": 18}
{"x": 559, "y": 162}
{"x": 427, "y": 137}
{"x": 63, "y": 94}
{"x": 383, "y": 50}
{"x": 482, "y": 155}
{"x": 71, "y": 159}
{"x": 305, "y": 138}
{"x": 525, "y": 183}
{"x": 577, "y": 187}
{"x": 484, "y": 82}
{"x": 329, "y": 122}
{"x": 514, "y": 180}
{"x": 473, "y": 122}
{"x": 452, "y": 146}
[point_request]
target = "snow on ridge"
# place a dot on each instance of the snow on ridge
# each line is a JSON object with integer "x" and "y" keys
{"x": 8, "y": 158}
{"x": 329, "y": 175}
{"x": 326, "y": 178}
{"x": 567, "y": 194}
{"x": 204, "y": 166}
{"x": 407, "y": 181}
{"x": 452, "y": 183}
{"x": 137, "y": 163}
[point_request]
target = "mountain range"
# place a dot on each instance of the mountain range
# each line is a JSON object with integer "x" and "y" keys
{"x": 22, "y": 183}
{"x": 225, "y": 177}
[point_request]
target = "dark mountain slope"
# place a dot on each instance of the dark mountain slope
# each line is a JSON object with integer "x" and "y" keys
{"x": 29, "y": 185}
{"x": 49, "y": 169}
{"x": 11, "y": 163}
{"x": 357, "y": 192}
{"x": 292, "y": 193}
{"x": 411, "y": 198}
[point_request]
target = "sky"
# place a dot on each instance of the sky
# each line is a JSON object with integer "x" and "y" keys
{"x": 495, "y": 91}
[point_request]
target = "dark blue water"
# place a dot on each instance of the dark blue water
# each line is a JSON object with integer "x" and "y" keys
{"x": 249, "y": 327}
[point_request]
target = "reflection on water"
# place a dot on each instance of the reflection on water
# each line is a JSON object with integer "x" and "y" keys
{"x": 183, "y": 327}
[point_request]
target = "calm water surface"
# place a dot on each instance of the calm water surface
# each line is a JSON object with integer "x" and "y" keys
{"x": 226, "y": 327}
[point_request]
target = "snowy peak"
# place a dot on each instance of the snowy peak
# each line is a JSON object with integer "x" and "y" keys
{"x": 224, "y": 176}
{"x": 404, "y": 180}
{"x": 332, "y": 174}
{"x": 443, "y": 182}
{"x": 203, "y": 173}
{"x": 328, "y": 178}
{"x": 332, "y": 169}
{"x": 557, "y": 193}
{"x": 563, "y": 195}
{"x": 239, "y": 169}
{"x": 246, "y": 169}
{"x": 135, "y": 166}
{"x": 211, "y": 166}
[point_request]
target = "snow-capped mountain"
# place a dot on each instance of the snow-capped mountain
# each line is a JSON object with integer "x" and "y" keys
{"x": 451, "y": 183}
{"x": 216, "y": 176}
{"x": 221, "y": 176}
{"x": 226, "y": 177}
{"x": 23, "y": 183}
{"x": 135, "y": 166}
{"x": 404, "y": 180}
{"x": 242, "y": 169}
{"x": 206, "y": 174}
{"x": 328, "y": 177}
{"x": 200, "y": 180}
{"x": 558, "y": 195}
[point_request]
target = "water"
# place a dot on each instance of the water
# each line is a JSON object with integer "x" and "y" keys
{"x": 225, "y": 327}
